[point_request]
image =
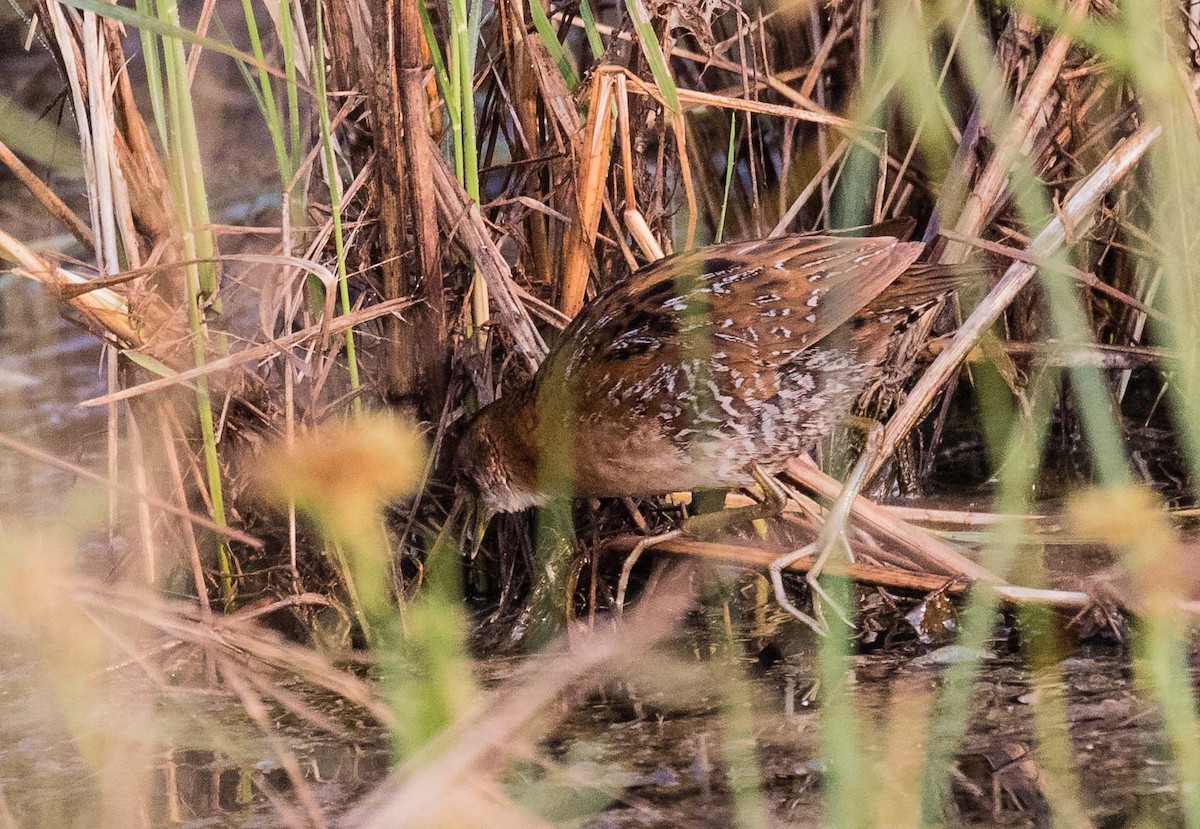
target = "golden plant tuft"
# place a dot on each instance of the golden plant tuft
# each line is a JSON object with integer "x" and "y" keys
{"x": 344, "y": 473}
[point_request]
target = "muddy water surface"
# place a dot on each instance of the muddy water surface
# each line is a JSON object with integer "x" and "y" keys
{"x": 636, "y": 759}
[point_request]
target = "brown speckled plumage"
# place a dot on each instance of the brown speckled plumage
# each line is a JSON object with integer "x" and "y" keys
{"x": 703, "y": 364}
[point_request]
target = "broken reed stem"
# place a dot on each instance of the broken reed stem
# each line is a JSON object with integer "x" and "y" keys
{"x": 460, "y": 212}
{"x": 994, "y": 177}
{"x": 595, "y": 154}
{"x": 1078, "y": 205}
{"x": 105, "y": 309}
{"x": 925, "y": 551}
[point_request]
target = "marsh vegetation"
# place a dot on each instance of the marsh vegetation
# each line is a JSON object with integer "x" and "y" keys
{"x": 262, "y": 261}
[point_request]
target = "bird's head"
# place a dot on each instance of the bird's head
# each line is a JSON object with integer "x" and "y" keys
{"x": 496, "y": 468}
{"x": 497, "y": 460}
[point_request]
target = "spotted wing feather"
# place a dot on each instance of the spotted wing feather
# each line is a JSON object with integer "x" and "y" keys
{"x": 765, "y": 295}
{"x": 711, "y": 352}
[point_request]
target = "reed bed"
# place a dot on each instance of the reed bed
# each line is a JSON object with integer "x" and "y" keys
{"x": 450, "y": 183}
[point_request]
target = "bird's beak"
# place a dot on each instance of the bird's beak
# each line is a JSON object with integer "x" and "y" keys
{"x": 475, "y": 521}
{"x": 481, "y": 520}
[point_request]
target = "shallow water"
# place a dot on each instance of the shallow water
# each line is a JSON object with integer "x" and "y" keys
{"x": 47, "y": 366}
{"x": 645, "y": 761}
{"x": 631, "y": 755}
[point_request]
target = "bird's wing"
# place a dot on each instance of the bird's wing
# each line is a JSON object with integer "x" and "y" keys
{"x": 652, "y": 367}
{"x": 773, "y": 297}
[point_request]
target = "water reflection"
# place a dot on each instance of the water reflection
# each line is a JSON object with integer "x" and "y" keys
{"x": 55, "y": 771}
{"x": 47, "y": 365}
{"x": 200, "y": 788}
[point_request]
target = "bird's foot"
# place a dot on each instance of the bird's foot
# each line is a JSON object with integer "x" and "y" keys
{"x": 820, "y": 596}
{"x": 708, "y": 525}
{"x": 832, "y": 533}
{"x": 777, "y": 567}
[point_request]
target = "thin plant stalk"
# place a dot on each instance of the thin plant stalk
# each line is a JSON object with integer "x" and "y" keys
{"x": 335, "y": 201}
{"x": 265, "y": 95}
{"x": 730, "y": 163}
{"x": 187, "y": 178}
{"x": 287, "y": 37}
{"x": 589, "y": 26}
{"x": 550, "y": 40}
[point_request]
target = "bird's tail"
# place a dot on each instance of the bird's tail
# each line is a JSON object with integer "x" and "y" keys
{"x": 922, "y": 285}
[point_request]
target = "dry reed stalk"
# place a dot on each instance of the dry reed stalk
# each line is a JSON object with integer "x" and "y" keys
{"x": 464, "y": 223}
{"x": 47, "y": 197}
{"x": 1076, "y": 208}
{"x": 635, "y": 220}
{"x": 994, "y": 177}
{"x": 565, "y": 273}
{"x": 1085, "y": 278}
{"x": 350, "y": 49}
{"x": 406, "y": 206}
{"x": 523, "y": 99}
{"x": 106, "y": 311}
{"x": 388, "y": 91}
{"x": 944, "y": 517}
{"x": 132, "y": 213}
{"x": 171, "y": 457}
{"x": 1122, "y": 357}
{"x": 233, "y": 637}
{"x": 593, "y": 157}
{"x": 692, "y": 98}
{"x": 892, "y": 577}
{"x": 918, "y": 515}
{"x": 425, "y": 791}
{"x": 207, "y": 9}
{"x": 925, "y": 552}
{"x": 759, "y": 558}
{"x": 554, "y": 93}
{"x": 275, "y": 348}
{"x": 770, "y": 80}
{"x": 141, "y": 485}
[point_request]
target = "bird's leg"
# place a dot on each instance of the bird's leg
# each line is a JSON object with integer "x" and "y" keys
{"x": 833, "y": 531}
{"x": 708, "y": 525}
{"x": 712, "y": 524}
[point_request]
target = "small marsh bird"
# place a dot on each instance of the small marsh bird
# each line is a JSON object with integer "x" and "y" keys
{"x": 708, "y": 369}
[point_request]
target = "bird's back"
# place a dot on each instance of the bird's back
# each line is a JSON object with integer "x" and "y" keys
{"x": 703, "y": 363}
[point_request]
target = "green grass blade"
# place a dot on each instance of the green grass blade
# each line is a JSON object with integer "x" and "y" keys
{"x": 166, "y": 28}
{"x": 335, "y": 201}
{"x": 730, "y": 164}
{"x": 589, "y": 26}
{"x": 654, "y": 56}
{"x": 550, "y": 39}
